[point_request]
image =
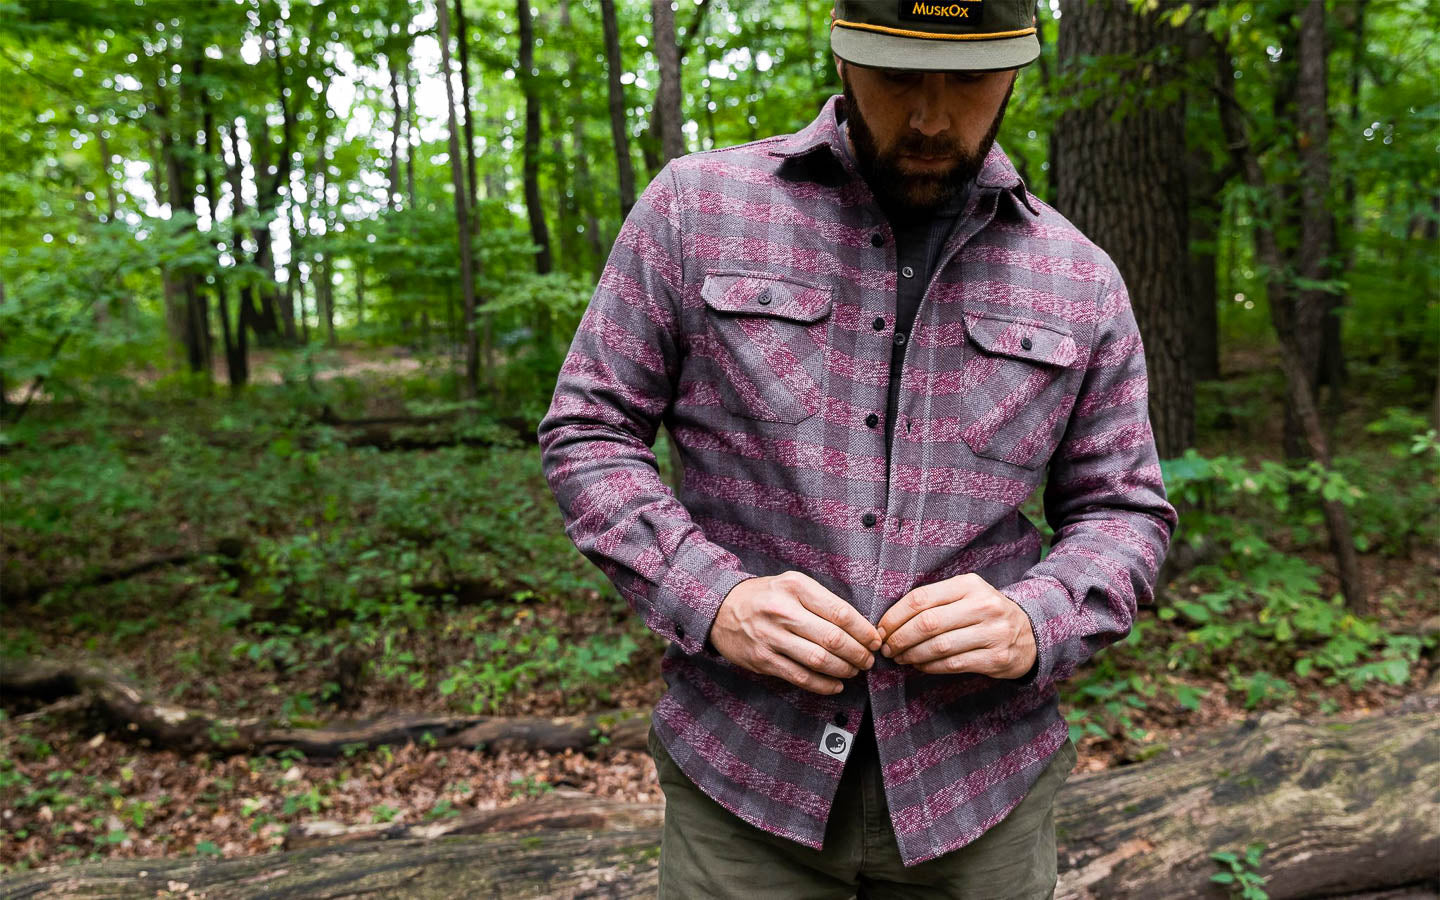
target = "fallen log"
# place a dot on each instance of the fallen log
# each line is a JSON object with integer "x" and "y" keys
{"x": 1342, "y": 806}
{"x": 565, "y": 809}
{"x": 142, "y": 717}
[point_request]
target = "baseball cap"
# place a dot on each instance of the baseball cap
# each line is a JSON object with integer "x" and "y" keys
{"x": 931, "y": 35}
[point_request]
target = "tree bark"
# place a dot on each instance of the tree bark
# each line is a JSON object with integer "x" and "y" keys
{"x": 471, "y": 386}
{"x": 539, "y": 233}
{"x": 462, "y": 39}
{"x": 667, "y": 97}
{"x": 393, "y": 169}
{"x": 619, "y": 132}
{"x": 1122, "y": 182}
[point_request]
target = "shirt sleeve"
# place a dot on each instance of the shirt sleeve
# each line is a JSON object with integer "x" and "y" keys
{"x": 1105, "y": 500}
{"x": 614, "y": 387}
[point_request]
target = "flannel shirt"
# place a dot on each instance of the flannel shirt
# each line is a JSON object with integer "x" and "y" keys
{"x": 748, "y": 304}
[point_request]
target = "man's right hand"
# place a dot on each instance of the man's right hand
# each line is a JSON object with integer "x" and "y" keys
{"x": 790, "y": 626}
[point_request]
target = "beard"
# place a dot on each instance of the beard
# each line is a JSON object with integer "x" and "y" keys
{"x": 911, "y": 194}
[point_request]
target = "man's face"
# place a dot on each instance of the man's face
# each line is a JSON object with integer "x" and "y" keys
{"x": 920, "y": 137}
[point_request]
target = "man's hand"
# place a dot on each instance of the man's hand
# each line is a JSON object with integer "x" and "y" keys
{"x": 789, "y": 625}
{"x": 961, "y": 624}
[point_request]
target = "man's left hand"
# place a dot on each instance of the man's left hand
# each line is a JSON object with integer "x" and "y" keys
{"x": 961, "y": 624}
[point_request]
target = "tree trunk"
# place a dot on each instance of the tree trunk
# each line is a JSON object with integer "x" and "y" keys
{"x": 1123, "y": 184}
{"x": 471, "y": 386}
{"x": 411, "y": 130}
{"x": 667, "y": 98}
{"x": 539, "y": 234}
{"x": 1317, "y": 230}
{"x": 619, "y": 131}
{"x": 1302, "y": 407}
{"x": 393, "y": 169}
{"x": 584, "y": 191}
{"x": 463, "y": 41}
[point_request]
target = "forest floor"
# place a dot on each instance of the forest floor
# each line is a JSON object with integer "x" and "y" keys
{"x": 73, "y": 790}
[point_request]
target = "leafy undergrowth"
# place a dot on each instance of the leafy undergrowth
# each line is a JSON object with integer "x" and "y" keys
{"x": 312, "y": 580}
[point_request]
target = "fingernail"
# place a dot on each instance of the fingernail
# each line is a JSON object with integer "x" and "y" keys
{"x": 869, "y": 661}
{"x": 887, "y": 651}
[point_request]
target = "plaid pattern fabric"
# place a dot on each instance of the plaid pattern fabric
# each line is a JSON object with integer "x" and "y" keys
{"x": 748, "y": 304}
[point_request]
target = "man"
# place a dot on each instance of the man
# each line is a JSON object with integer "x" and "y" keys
{"x": 869, "y": 343}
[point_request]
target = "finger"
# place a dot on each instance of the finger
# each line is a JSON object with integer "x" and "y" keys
{"x": 947, "y": 643}
{"x": 925, "y": 597}
{"x": 813, "y": 656}
{"x": 780, "y": 666}
{"x": 907, "y": 607}
{"x": 931, "y": 623}
{"x": 833, "y": 638}
{"x": 824, "y": 603}
{"x": 978, "y": 661}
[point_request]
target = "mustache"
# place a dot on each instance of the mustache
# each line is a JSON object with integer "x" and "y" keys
{"x": 923, "y": 145}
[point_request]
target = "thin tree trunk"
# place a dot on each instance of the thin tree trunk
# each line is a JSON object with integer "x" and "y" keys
{"x": 1315, "y": 310}
{"x": 465, "y": 102}
{"x": 584, "y": 192}
{"x": 667, "y": 98}
{"x": 234, "y": 365}
{"x": 471, "y": 386}
{"x": 393, "y": 169}
{"x": 1292, "y": 362}
{"x": 411, "y": 130}
{"x": 539, "y": 233}
{"x": 619, "y": 132}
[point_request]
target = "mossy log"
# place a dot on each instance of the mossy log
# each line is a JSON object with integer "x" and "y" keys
{"x": 134, "y": 713}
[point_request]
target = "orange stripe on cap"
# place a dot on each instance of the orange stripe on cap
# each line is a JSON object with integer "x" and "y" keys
{"x": 929, "y": 35}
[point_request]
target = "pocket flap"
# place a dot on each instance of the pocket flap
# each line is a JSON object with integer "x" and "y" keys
{"x": 1022, "y": 339}
{"x": 765, "y": 295}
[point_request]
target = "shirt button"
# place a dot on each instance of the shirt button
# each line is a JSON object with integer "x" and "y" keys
{"x": 680, "y": 632}
{"x": 908, "y": 272}
{"x": 868, "y": 520}
{"x": 879, "y": 323}
{"x": 1025, "y": 343}
{"x": 877, "y": 240}
{"x": 841, "y": 719}
{"x": 872, "y": 420}
{"x": 899, "y": 338}
{"x": 764, "y": 299}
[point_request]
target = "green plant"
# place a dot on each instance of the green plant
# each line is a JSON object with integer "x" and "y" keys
{"x": 1241, "y": 876}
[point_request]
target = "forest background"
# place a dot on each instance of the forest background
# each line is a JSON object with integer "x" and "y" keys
{"x": 281, "y": 307}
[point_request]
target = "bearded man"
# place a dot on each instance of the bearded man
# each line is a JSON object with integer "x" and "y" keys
{"x": 870, "y": 344}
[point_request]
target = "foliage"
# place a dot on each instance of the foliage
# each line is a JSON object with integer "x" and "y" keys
{"x": 1241, "y": 876}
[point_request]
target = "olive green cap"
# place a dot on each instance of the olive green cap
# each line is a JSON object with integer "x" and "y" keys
{"x": 943, "y": 35}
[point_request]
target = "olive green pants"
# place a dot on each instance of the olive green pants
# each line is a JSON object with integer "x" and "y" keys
{"x": 707, "y": 851}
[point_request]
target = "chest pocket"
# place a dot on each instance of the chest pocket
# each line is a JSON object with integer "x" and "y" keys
{"x": 1022, "y": 378}
{"x": 765, "y": 342}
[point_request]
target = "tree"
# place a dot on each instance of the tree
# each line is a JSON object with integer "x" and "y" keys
{"x": 1120, "y": 178}
{"x": 1295, "y": 308}
{"x": 625, "y": 170}
{"x": 539, "y": 233}
{"x": 667, "y": 114}
{"x": 470, "y": 387}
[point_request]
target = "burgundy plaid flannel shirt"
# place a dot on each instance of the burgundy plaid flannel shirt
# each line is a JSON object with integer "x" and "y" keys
{"x": 749, "y": 304}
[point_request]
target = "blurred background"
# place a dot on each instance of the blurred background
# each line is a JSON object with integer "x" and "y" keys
{"x": 281, "y": 307}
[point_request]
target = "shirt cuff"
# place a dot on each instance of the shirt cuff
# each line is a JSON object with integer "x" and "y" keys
{"x": 690, "y": 598}
{"x": 1036, "y": 597}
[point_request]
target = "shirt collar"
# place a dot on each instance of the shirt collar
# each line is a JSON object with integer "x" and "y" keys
{"x": 824, "y": 132}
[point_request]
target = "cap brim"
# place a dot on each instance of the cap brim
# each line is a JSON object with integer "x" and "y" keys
{"x": 887, "y": 51}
